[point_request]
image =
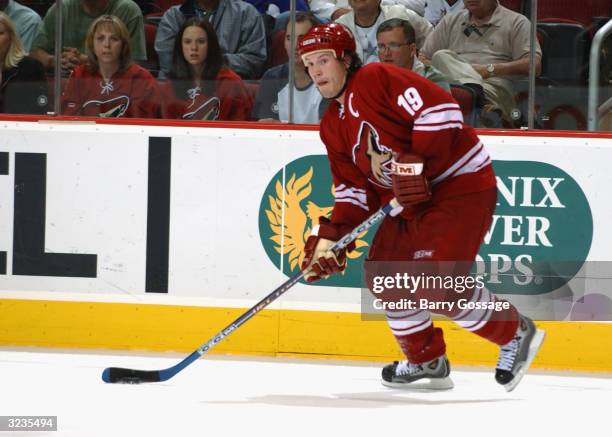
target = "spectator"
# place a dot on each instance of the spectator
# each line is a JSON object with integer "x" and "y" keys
{"x": 110, "y": 84}
{"x": 604, "y": 112}
{"x": 147, "y": 6}
{"x": 26, "y": 21}
{"x": 78, "y": 15}
{"x": 23, "y": 85}
{"x": 275, "y": 13}
{"x": 275, "y": 7}
{"x": 396, "y": 45}
{"x": 435, "y": 10}
{"x": 367, "y": 15}
{"x": 280, "y": 19}
{"x": 334, "y": 9}
{"x": 239, "y": 28}
{"x": 417, "y": 6}
{"x": 330, "y": 10}
{"x": 486, "y": 45}
{"x": 200, "y": 86}
{"x": 272, "y": 103}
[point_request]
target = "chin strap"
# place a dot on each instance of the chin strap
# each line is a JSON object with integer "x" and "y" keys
{"x": 346, "y": 81}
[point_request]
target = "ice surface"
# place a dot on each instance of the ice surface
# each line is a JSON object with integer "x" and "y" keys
{"x": 250, "y": 396}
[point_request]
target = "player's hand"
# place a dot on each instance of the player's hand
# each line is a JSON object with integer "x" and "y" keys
{"x": 410, "y": 185}
{"x": 320, "y": 261}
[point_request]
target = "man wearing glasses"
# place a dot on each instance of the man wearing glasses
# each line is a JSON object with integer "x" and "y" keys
{"x": 396, "y": 45}
{"x": 365, "y": 18}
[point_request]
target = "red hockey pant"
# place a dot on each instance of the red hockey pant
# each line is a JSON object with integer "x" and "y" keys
{"x": 448, "y": 230}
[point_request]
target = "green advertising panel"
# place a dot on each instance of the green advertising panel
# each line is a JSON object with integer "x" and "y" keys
{"x": 540, "y": 236}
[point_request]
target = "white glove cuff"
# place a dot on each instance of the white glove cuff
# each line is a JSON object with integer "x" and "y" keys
{"x": 315, "y": 231}
{"x": 396, "y": 211}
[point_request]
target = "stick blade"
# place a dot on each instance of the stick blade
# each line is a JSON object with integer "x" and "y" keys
{"x": 117, "y": 375}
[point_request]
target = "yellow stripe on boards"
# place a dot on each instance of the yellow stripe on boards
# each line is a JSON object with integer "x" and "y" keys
{"x": 130, "y": 326}
{"x": 578, "y": 346}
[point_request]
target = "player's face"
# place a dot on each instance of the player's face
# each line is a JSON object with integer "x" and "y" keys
{"x": 195, "y": 45}
{"x": 107, "y": 46}
{"x": 393, "y": 49}
{"x": 300, "y": 30}
{"x": 328, "y": 73}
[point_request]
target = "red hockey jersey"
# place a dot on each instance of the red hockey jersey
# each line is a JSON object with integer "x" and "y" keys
{"x": 132, "y": 93}
{"x": 388, "y": 110}
{"x": 230, "y": 100}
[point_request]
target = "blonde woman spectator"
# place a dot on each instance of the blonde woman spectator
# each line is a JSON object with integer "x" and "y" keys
{"x": 110, "y": 84}
{"x": 23, "y": 85}
{"x": 25, "y": 19}
{"x": 77, "y": 17}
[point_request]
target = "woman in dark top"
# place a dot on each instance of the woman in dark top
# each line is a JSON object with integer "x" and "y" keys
{"x": 201, "y": 87}
{"x": 23, "y": 85}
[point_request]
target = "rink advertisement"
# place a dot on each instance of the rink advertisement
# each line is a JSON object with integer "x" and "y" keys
{"x": 150, "y": 229}
{"x": 540, "y": 236}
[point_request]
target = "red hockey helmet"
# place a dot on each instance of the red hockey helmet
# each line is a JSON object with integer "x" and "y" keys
{"x": 331, "y": 36}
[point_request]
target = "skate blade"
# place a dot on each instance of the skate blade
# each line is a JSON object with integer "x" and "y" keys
{"x": 423, "y": 384}
{"x": 534, "y": 347}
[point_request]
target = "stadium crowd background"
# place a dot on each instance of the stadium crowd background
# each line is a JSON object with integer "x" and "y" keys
{"x": 245, "y": 74}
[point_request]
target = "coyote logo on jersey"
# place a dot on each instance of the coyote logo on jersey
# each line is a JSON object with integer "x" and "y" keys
{"x": 209, "y": 110}
{"x": 110, "y": 108}
{"x": 290, "y": 235}
{"x": 372, "y": 157}
{"x": 205, "y": 108}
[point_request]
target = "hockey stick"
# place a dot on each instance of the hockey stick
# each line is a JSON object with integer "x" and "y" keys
{"x": 132, "y": 376}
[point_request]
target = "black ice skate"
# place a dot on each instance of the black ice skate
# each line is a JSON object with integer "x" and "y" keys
{"x": 432, "y": 375}
{"x": 516, "y": 356}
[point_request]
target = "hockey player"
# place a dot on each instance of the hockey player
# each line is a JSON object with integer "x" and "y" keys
{"x": 381, "y": 121}
{"x": 110, "y": 84}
